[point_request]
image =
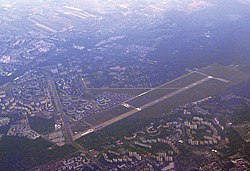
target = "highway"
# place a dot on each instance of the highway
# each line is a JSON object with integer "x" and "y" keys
{"x": 60, "y": 112}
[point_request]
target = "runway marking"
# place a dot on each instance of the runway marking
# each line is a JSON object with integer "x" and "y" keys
{"x": 159, "y": 87}
{"x": 178, "y": 91}
{"x": 212, "y": 77}
{"x": 136, "y": 110}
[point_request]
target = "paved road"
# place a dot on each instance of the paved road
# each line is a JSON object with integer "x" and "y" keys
{"x": 60, "y": 112}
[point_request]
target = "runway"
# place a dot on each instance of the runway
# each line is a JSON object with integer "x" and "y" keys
{"x": 138, "y": 109}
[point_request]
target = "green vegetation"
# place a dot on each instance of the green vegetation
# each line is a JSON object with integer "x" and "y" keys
{"x": 18, "y": 153}
{"x": 4, "y": 129}
{"x": 184, "y": 160}
{"x": 235, "y": 140}
{"x": 228, "y": 73}
{"x": 129, "y": 91}
{"x": 242, "y": 89}
{"x": 114, "y": 132}
{"x": 131, "y": 148}
{"x": 243, "y": 130}
{"x": 94, "y": 141}
{"x": 128, "y": 126}
{"x": 134, "y": 148}
{"x": 247, "y": 149}
{"x": 185, "y": 81}
{"x": 243, "y": 115}
{"x": 106, "y": 115}
{"x": 159, "y": 147}
{"x": 41, "y": 125}
{"x": 149, "y": 97}
{"x": 165, "y": 132}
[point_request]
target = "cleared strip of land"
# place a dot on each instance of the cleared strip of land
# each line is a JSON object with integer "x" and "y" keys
{"x": 184, "y": 81}
{"x": 147, "y": 105}
{"x": 153, "y": 102}
{"x": 105, "y": 115}
{"x": 228, "y": 73}
{"x": 145, "y": 98}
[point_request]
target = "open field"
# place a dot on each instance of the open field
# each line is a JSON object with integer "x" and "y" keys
{"x": 130, "y": 91}
{"x": 152, "y": 103}
{"x": 148, "y": 97}
{"x": 184, "y": 80}
{"x": 235, "y": 76}
{"x": 244, "y": 131}
{"x": 20, "y": 150}
{"x": 206, "y": 89}
{"x": 106, "y": 115}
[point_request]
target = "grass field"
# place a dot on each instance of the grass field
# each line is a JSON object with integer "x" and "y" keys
{"x": 129, "y": 91}
{"x": 41, "y": 125}
{"x": 197, "y": 91}
{"x": 153, "y": 95}
{"x": 106, "y": 115}
{"x": 235, "y": 76}
{"x": 244, "y": 131}
{"x": 18, "y": 153}
{"x": 182, "y": 82}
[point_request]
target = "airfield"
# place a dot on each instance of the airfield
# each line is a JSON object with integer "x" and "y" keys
{"x": 151, "y": 103}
